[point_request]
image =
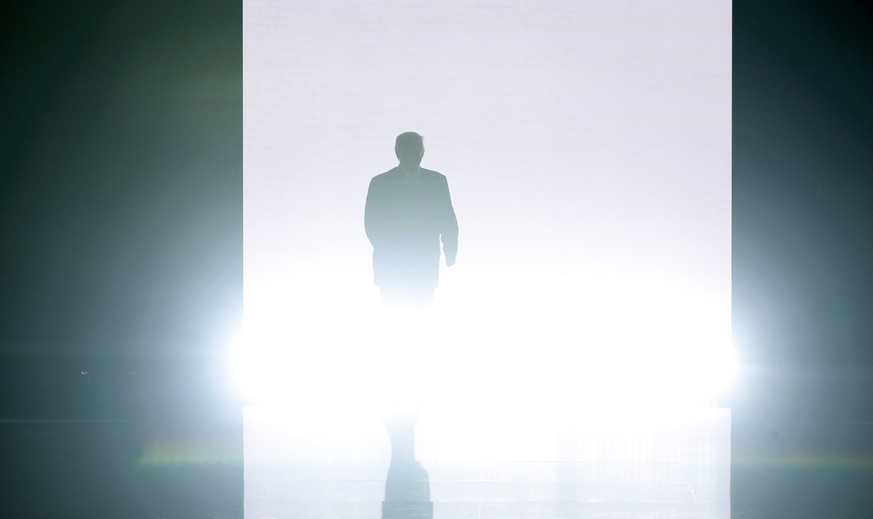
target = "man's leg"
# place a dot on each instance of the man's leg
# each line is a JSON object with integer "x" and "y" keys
{"x": 406, "y": 297}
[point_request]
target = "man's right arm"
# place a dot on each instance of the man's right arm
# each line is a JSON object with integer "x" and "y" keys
{"x": 371, "y": 209}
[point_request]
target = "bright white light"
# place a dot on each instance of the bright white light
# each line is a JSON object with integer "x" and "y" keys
{"x": 556, "y": 344}
{"x": 594, "y": 339}
{"x": 315, "y": 347}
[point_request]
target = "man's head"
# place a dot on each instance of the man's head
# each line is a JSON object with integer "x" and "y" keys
{"x": 409, "y": 148}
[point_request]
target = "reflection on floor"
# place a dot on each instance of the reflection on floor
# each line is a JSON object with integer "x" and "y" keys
{"x": 644, "y": 464}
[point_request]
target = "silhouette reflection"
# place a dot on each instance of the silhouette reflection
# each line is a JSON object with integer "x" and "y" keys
{"x": 407, "y": 487}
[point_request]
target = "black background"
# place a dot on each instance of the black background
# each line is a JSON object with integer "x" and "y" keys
{"x": 121, "y": 274}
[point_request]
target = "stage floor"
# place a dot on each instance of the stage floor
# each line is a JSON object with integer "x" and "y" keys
{"x": 643, "y": 464}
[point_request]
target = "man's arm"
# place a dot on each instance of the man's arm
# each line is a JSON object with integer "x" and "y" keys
{"x": 371, "y": 209}
{"x": 449, "y": 227}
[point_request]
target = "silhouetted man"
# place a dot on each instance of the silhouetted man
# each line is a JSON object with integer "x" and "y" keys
{"x": 408, "y": 212}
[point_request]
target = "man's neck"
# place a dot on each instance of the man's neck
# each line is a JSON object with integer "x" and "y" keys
{"x": 410, "y": 169}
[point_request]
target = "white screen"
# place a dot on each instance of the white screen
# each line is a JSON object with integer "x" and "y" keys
{"x": 587, "y": 146}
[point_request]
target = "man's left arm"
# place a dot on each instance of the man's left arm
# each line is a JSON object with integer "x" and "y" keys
{"x": 448, "y": 225}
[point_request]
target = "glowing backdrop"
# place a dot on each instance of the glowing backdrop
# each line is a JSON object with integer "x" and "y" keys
{"x": 587, "y": 146}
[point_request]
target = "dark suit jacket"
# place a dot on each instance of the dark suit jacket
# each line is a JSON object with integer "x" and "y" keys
{"x": 405, "y": 219}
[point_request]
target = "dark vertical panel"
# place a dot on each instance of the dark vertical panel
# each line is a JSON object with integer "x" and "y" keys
{"x": 121, "y": 187}
{"x": 802, "y": 258}
{"x": 803, "y": 247}
{"x": 121, "y": 257}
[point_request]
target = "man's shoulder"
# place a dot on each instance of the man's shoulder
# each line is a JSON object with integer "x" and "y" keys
{"x": 387, "y": 176}
{"x": 397, "y": 174}
{"x": 429, "y": 173}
